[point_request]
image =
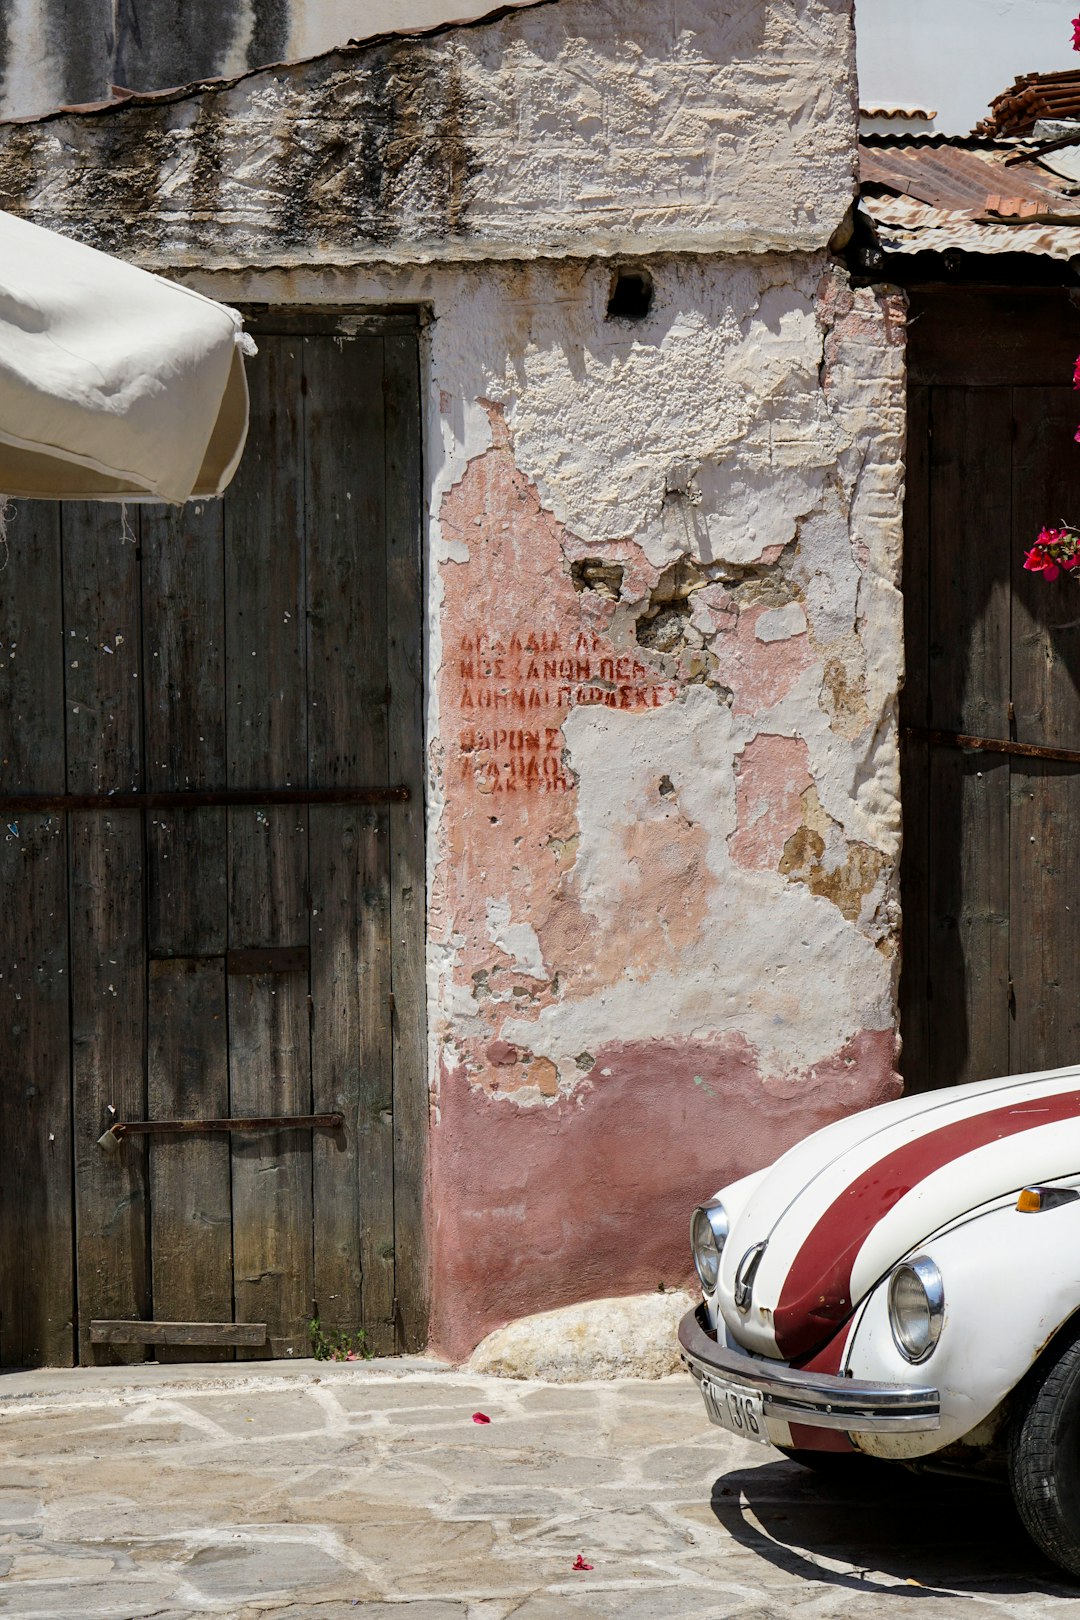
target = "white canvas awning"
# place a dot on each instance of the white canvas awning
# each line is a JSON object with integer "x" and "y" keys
{"x": 114, "y": 384}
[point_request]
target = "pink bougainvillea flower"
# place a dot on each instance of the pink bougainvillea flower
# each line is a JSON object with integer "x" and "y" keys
{"x": 480, "y": 1417}
{"x": 1038, "y": 561}
{"x": 579, "y": 1563}
{"x": 1050, "y": 537}
{"x": 1076, "y": 33}
{"x": 1076, "y": 368}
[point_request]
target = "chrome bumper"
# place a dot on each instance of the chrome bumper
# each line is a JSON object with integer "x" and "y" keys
{"x": 821, "y": 1400}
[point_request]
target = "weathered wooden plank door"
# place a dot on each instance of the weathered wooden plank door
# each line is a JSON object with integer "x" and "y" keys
{"x": 211, "y": 952}
{"x": 990, "y": 983}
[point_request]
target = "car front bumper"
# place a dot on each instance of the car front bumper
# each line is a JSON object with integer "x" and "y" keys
{"x": 819, "y": 1400}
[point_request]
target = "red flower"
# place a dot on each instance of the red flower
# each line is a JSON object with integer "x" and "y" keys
{"x": 480, "y": 1417}
{"x": 579, "y": 1563}
{"x": 1076, "y": 368}
{"x": 1037, "y": 562}
{"x": 1076, "y": 33}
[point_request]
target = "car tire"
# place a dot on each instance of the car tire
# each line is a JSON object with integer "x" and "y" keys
{"x": 1044, "y": 1456}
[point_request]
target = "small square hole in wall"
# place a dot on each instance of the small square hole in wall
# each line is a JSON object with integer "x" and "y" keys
{"x": 631, "y": 295}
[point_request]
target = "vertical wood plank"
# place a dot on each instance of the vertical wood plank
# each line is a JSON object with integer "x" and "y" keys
{"x": 108, "y": 957}
{"x": 968, "y": 691}
{"x": 187, "y": 925}
{"x": 353, "y": 1170}
{"x": 36, "y": 1234}
{"x": 1046, "y": 692}
{"x": 405, "y": 619}
{"x": 184, "y": 697}
{"x": 915, "y": 1055}
{"x": 269, "y": 1039}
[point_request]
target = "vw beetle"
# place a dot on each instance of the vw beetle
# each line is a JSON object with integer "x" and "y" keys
{"x": 906, "y": 1284}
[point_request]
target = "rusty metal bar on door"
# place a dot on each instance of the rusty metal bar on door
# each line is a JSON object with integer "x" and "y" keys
{"x": 991, "y": 745}
{"x": 115, "y": 1134}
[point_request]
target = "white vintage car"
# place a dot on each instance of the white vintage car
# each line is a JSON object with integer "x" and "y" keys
{"x": 906, "y": 1284}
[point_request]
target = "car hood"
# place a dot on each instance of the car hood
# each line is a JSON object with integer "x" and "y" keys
{"x": 830, "y": 1218}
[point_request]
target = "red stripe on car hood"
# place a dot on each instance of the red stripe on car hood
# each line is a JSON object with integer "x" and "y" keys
{"x": 816, "y": 1295}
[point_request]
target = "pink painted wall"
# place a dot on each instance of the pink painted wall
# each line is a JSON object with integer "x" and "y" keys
{"x": 663, "y": 908}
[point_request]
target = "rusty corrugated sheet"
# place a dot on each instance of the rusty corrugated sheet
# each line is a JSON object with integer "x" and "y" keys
{"x": 904, "y": 225}
{"x": 925, "y": 195}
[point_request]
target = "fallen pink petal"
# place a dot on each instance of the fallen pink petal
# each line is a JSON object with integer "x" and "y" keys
{"x": 480, "y": 1417}
{"x": 579, "y": 1563}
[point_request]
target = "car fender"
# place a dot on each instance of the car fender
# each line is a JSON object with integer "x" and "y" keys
{"x": 734, "y": 1197}
{"x": 1010, "y": 1282}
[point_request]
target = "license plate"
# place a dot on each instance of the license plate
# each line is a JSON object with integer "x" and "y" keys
{"x": 740, "y": 1411}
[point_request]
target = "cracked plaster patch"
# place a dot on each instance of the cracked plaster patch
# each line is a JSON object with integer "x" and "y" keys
{"x": 615, "y": 851}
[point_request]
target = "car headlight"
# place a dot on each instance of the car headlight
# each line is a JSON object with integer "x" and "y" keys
{"x": 916, "y": 1307}
{"x": 708, "y": 1234}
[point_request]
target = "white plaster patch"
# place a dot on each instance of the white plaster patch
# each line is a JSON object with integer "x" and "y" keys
{"x": 518, "y": 940}
{"x": 780, "y": 624}
{"x": 771, "y": 955}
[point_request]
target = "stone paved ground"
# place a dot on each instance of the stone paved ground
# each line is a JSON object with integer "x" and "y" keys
{"x": 333, "y": 1492}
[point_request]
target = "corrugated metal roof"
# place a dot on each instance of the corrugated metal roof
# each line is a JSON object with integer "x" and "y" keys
{"x": 932, "y": 195}
{"x": 903, "y": 225}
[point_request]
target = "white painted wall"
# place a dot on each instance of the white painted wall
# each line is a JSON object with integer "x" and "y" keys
{"x": 319, "y": 25}
{"x": 957, "y": 54}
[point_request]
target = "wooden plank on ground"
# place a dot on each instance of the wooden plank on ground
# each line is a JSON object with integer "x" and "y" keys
{"x": 181, "y": 1334}
{"x": 269, "y": 1033}
{"x": 353, "y": 1170}
{"x": 108, "y": 945}
{"x": 405, "y": 618}
{"x": 187, "y": 923}
{"x": 1045, "y": 957}
{"x": 968, "y": 686}
{"x": 37, "y": 1290}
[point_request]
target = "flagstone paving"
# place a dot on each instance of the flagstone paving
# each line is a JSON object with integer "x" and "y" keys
{"x": 368, "y": 1490}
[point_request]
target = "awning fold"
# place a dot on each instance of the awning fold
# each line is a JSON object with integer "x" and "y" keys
{"x": 114, "y": 383}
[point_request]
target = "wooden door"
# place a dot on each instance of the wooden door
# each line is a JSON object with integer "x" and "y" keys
{"x": 990, "y": 982}
{"x": 211, "y": 881}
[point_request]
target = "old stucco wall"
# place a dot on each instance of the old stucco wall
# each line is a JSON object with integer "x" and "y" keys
{"x": 572, "y": 128}
{"x": 664, "y": 629}
{"x": 665, "y": 825}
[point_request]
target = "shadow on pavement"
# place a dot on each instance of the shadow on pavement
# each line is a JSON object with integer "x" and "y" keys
{"x": 886, "y": 1530}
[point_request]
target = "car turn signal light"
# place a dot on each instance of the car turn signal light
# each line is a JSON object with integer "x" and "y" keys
{"x": 1033, "y": 1200}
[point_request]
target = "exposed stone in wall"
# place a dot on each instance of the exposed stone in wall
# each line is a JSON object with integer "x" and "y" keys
{"x": 573, "y": 128}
